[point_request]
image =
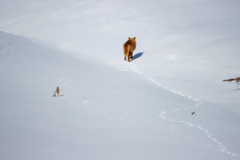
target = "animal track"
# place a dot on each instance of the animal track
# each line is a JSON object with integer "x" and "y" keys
{"x": 162, "y": 115}
{"x": 175, "y": 110}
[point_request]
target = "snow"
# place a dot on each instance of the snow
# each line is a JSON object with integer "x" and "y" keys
{"x": 108, "y": 108}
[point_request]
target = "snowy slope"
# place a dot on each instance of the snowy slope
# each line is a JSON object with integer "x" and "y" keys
{"x": 102, "y": 113}
{"x": 137, "y": 110}
{"x": 191, "y": 41}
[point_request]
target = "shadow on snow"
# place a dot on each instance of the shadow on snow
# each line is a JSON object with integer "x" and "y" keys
{"x": 235, "y": 90}
{"x": 136, "y": 56}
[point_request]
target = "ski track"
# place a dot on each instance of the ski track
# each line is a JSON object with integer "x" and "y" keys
{"x": 132, "y": 66}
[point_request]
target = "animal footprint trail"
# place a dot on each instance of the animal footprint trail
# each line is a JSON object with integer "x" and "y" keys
{"x": 134, "y": 68}
{"x": 205, "y": 131}
{"x": 162, "y": 115}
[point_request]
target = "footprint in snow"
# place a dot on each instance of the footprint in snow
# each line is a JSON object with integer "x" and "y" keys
{"x": 175, "y": 110}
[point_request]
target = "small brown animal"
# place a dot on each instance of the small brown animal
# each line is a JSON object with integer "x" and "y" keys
{"x": 193, "y": 113}
{"x": 128, "y": 48}
{"x": 233, "y": 79}
{"x": 57, "y": 91}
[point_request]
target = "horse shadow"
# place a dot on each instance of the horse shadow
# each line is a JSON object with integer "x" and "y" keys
{"x": 136, "y": 56}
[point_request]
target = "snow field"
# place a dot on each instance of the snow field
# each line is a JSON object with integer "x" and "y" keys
{"x": 101, "y": 112}
{"x": 141, "y": 110}
{"x": 162, "y": 115}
